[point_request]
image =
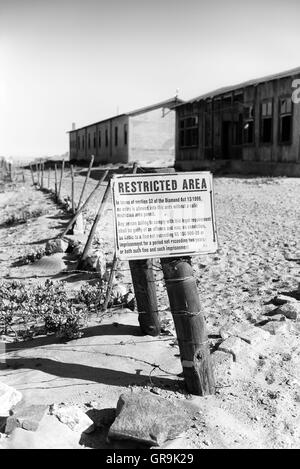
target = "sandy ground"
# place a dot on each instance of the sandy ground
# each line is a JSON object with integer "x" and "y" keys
{"x": 258, "y": 398}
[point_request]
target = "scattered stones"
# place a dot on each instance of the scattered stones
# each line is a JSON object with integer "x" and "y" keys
{"x": 120, "y": 296}
{"x": 78, "y": 249}
{"x": 96, "y": 261}
{"x": 56, "y": 245}
{"x": 27, "y": 418}
{"x": 222, "y": 365}
{"x": 248, "y": 333}
{"x": 220, "y": 358}
{"x": 118, "y": 292}
{"x": 290, "y": 310}
{"x": 282, "y": 299}
{"x": 78, "y": 227}
{"x": 73, "y": 417}
{"x": 129, "y": 300}
{"x": 275, "y": 327}
{"x": 147, "y": 419}
{"x": 9, "y": 397}
{"x": 237, "y": 347}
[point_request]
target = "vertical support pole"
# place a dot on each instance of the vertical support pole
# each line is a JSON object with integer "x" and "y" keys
{"x": 72, "y": 189}
{"x": 32, "y": 175}
{"x": 190, "y": 325}
{"x": 42, "y": 175}
{"x": 110, "y": 282}
{"x": 145, "y": 294}
{"x": 55, "y": 183}
{"x": 61, "y": 177}
{"x": 23, "y": 175}
{"x": 37, "y": 174}
{"x": 94, "y": 227}
{"x": 49, "y": 174}
{"x": 86, "y": 180}
{"x": 10, "y": 172}
{"x": 80, "y": 209}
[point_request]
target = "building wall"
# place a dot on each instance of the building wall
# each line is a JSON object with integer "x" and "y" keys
{"x": 81, "y": 144}
{"x": 73, "y": 146}
{"x": 275, "y": 152}
{"x": 99, "y": 140}
{"x": 152, "y": 135}
{"x": 220, "y": 116}
{"x": 119, "y": 152}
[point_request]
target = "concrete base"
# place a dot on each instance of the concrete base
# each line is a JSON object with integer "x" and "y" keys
{"x": 241, "y": 167}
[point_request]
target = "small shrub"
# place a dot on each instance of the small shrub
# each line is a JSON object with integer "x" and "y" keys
{"x": 50, "y": 305}
{"x": 24, "y": 216}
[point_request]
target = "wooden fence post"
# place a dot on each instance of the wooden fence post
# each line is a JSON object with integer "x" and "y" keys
{"x": 42, "y": 175}
{"x": 32, "y": 175}
{"x": 190, "y": 325}
{"x": 61, "y": 177}
{"x": 72, "y": 189}
{"x": 55, "y": 183}
{"x": 80, "y": 209}
{"x": 94, "y": 227}
{"x": 86, "y": 180}
{"x": 145, "y": 294}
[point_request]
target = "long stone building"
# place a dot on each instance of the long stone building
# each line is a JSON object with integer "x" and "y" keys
{"x": 253, "y": 127}
{"x": 143, "y": 134}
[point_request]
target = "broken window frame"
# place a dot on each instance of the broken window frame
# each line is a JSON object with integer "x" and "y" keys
{"x": 268, "y": 116}
{"x": 189, "y": 131}
{"x": 281, "y": 116}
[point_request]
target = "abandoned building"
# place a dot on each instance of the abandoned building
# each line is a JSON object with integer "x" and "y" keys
{"x": 253, "y": 127}
{"x": 143, "y": 134}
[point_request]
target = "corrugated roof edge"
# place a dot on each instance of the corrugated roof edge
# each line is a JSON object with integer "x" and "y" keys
{"x": 256, "y": 81}
{"x": 174, "y": 101}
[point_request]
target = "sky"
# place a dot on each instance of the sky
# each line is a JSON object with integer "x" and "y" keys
{"x": 64, "y": 61}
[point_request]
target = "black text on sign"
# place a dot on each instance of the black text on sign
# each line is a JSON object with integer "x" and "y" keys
{"x": 164, "y": 215}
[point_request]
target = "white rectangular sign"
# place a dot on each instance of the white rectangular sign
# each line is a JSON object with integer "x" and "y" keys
{"x": 164, "y": 215}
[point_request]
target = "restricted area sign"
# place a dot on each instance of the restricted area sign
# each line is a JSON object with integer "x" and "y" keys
{"x": 164, "y": 215}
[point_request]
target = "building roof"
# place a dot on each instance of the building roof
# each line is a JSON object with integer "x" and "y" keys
{"x": 170, "y": 103}
{"x": 253, "y": 82}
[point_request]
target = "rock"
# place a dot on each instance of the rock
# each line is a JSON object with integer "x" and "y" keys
{"x": 290, "y": 310}
{"x": 78, "y": 227}
{"x": 51, "y": 434}
{"x": 27, "y": 418}
{"x": 235, "y": 346}
{"x": 282, "y": 299}
{"x": 56, "y": 245}
{"x": 275, "y": 327}
{"x": 220, "y": 358}
{"x": 129, "y": 301}
{"x": 118, "y": 293}
{"x": 222, "y": 364}
{"x": 78, "y": 249}
{"x": 9, "y": 397}
{"x": 73, "y": 417}
{"x": 248, "y": 333}
{"x": 277, "y": 317}
{"x": 148, "y": 419}
{"x": 96, "y": 261}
